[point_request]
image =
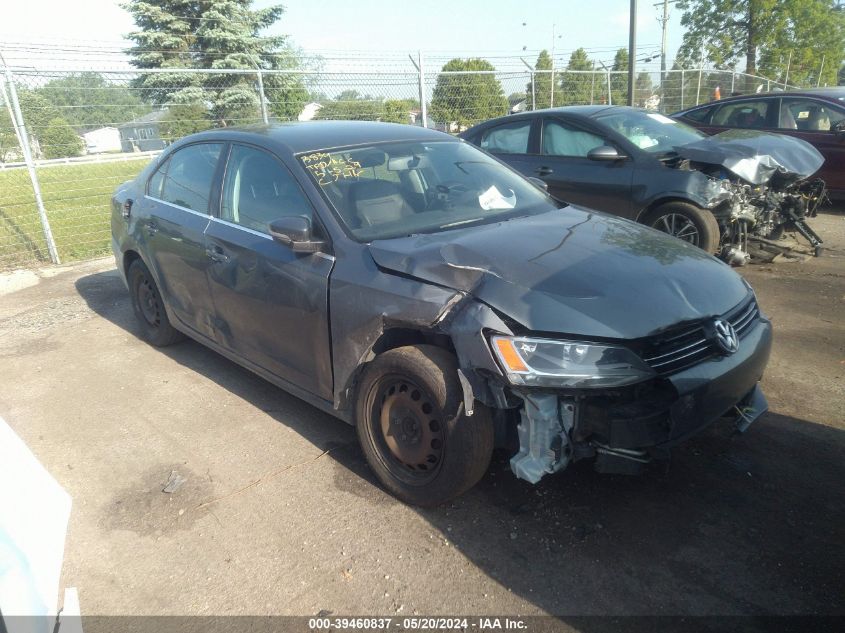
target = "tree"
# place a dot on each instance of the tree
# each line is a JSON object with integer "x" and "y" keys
{"x": 542, "y": 81}
{"x": 352, "y": 106}
{"x": 42, "y": 118}
{"x": 812, "y": 41}
{"x": 216, "y": 35}
{"x": 58, "y": 140}
{"x": 467, "y": 99}
{"x": 841, "y": 77}
{"x": 576, "y": 88}
{"x": 619, "y": 81}
{"x": 183, "y": 119}
{"x": 724, "y": 31}
{"x": 87, "y": 101}
{"x": 643, "y": 88}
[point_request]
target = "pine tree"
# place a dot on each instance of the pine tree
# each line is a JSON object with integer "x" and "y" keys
{"x": 216, "y": 35}
{"x": 542, "y": 81}
{"x": 576, "y": 88}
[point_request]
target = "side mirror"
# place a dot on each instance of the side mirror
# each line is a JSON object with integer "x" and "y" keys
{"x": 839, "y": 128}
{"x": 294, "y": 231}
{"x": 605, "y": 152}
{"x": 540, "y": 184}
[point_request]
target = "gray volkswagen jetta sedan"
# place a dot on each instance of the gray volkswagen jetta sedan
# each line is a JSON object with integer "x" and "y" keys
{"x": 414, "y": 286}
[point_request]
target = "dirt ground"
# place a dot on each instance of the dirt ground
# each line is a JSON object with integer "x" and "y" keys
{"x": 280, "y": 514}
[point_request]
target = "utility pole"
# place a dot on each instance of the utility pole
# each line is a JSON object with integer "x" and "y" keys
{"x": 632, "y": 52}
{"x": 664, "y": 26}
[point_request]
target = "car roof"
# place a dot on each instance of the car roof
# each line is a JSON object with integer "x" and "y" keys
{"x": 296, "y": 137}
{"x": 589, "y": 111}
{"x": 835, "y": 94}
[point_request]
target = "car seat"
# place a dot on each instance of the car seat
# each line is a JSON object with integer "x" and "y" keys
{"x": 378, "y": 201}
{"x": 819, "y": 120}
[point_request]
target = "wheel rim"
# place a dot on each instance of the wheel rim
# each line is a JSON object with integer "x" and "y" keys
{"x": 679, "y": 226}
{"x": 148, "y": 301}
{"x": 409, "y": 428}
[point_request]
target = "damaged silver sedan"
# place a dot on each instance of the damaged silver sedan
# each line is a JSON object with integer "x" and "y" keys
{"x": 413, "y": 286}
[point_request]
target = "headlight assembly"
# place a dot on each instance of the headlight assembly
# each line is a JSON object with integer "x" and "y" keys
{"x": 550, "y": 363}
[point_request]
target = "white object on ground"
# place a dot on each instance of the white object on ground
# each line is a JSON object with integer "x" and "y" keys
{"x": 34, "y": 513}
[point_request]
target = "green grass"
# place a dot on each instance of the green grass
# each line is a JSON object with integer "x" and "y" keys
{"x": 77, "y": 199}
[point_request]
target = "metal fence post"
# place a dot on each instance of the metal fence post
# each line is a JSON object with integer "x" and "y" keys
{"x": 698, "y": 90}
{"x": 682, "y": 88}
{"x": 609, "y": 93}
{"x": 30, "y": 166}
{"x": 262, "y": 98}
{"x": 423, "y": 108}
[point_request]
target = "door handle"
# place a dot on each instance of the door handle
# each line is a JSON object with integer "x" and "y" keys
{"x": 216, "y": 254}
{"x": 543, "y": 171}
{"x": 152, "y": 228}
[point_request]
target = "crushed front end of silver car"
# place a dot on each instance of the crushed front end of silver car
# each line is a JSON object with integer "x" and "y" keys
{"x": 759, "y": 185}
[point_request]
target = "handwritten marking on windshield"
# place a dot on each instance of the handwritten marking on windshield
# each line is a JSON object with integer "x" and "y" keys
{"x": 328, "y": 169}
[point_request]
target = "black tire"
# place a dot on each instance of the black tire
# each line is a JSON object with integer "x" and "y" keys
{"x": 691, "y": 224}
{"x": 149, "y": 307}
{"x": 431, "y": 451}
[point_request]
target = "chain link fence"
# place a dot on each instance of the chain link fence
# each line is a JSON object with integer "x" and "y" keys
{"x": 68, "y": 138}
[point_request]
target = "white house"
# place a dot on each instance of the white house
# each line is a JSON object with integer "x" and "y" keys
{"x": 309, "y": 111}
{"x": 104, "y": 139}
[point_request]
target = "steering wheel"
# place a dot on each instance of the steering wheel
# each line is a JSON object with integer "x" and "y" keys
{"x": 449, "y": 192}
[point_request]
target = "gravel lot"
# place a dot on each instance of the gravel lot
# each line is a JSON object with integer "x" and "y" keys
{"x": 280, "y": 515}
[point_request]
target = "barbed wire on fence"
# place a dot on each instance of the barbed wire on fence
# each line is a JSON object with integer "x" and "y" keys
{"x": 88, "y": 129}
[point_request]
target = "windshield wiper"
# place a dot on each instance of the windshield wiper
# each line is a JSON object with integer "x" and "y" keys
{"x": 451, "y": 224}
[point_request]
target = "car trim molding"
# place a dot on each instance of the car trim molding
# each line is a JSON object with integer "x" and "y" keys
{"x": 176, "y": 206}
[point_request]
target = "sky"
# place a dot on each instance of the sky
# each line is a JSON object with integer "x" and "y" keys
{"x": 337, "y": 28}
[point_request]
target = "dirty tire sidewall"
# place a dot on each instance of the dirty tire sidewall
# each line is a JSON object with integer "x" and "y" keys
{"x": 703, "y": 220}
{"x": 468, "y": 440}
{"x": 142, "y": 288}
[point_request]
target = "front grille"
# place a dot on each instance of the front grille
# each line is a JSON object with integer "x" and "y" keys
{"x": 677, "y": 350}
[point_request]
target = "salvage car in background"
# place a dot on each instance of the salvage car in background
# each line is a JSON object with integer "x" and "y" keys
{"x": 816, "y": 116}
{"x": 404, "y": 281}
{"x": 713, "y": 192}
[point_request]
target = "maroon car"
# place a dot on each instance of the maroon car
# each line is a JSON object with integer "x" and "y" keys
{"x": 816, "y": 116}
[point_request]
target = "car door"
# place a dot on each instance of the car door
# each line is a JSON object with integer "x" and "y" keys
{"x": 814, "y": 121}
{"x": 271, "y": 304}
{"x": 176, "y": 215}
{"x": 563, "y": 164}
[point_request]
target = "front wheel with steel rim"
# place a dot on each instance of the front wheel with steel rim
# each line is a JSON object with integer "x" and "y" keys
{"x": 686, "y": 222}
{"x": 413, "y": 430}
{"x": 149, "y": 307}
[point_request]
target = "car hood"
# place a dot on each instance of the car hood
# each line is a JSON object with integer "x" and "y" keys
{"x": 756, "y": 156}
{"x": 572, "y": 271}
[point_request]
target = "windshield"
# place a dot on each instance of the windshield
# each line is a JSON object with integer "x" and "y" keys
{"x": 397, "y": 189}
{"x": 650, "y": 131}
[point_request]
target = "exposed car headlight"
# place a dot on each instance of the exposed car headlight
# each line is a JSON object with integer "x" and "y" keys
{"x": 549, "y": 363}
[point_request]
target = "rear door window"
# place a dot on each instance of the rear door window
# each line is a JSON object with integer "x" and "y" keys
{"x": 510, "y": 138}
{"x": 701, "y": 115}
{"x": 188, "y": 176}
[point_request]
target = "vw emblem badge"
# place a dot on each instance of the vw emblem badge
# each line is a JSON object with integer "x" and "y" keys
{"x": 726, "y": 337}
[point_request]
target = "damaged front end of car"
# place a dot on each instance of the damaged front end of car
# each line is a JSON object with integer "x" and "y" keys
{"x": 573, "y": 354}
{"x": 758, "y": 187}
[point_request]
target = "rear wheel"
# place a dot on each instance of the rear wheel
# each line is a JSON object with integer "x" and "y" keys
{"x": 149, "y": 307}
{"x": 413, "y": 430}
{"x": 686, "y": 222}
